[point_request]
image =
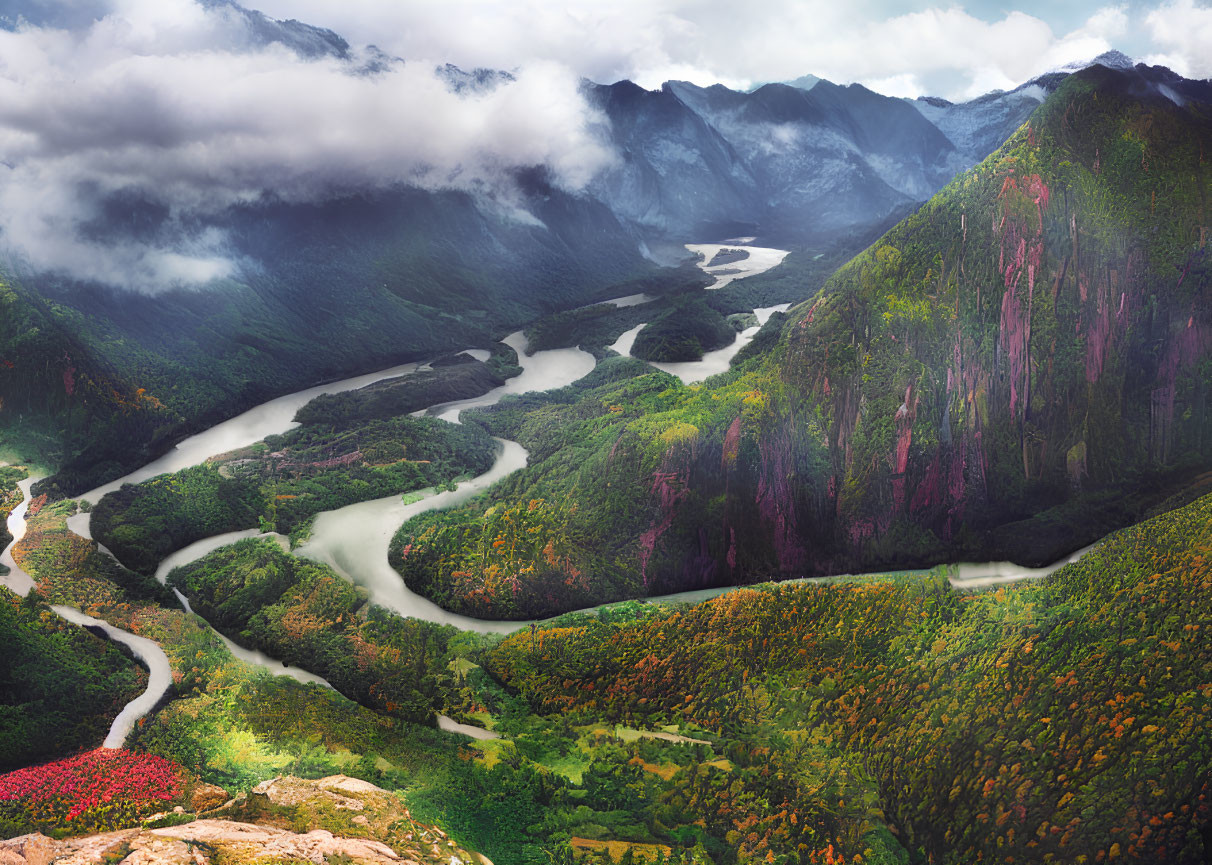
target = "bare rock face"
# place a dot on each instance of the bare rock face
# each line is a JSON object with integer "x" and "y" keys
{"x": 34, "y": 849}
{"x": 149, "y": 850}
{"x": 196, "y": 843}
{"x": 333, "y": 790}
{"x": 353, "y": 809}
{"x": 130, "y": 846}
{"x": 348, "y": 818}
{"x": 249, "y": 842}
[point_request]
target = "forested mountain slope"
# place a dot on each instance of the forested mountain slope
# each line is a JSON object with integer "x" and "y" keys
{"x": 99, "y": 380}
{"x": 1016, "y": 369}
{"x": 1060, "y": 720}
{"x": 1036, "y": 334}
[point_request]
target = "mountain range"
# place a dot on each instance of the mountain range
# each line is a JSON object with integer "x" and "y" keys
{"x": 1013, "y": 371}
{"x": 986, "y": 335}
{"x": 378, "y": 277}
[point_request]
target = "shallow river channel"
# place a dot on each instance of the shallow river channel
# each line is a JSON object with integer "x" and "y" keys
{"x": 353, "y": 540}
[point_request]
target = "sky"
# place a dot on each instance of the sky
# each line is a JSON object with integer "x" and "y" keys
{"x": 955, "y": 50}
{"x": 181, "y": 107}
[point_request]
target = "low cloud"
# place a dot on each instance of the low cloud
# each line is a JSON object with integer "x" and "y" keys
{"x": 179, "y": 108}
{"x": 189, "y": 107}
{"x": 951, "y": 50}
{"x": 1182, "y": 31}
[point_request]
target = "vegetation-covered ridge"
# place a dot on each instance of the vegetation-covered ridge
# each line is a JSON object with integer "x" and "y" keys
{"x": 278, "y": 484}
{"x": 305, "y": 614}
{"x": 96, "y": 382}
{"x": 223, "y": 721}
{"x": 1066, "y": 720}
{"x": 560, "y": 534}
{"x": 61, "y": 685}
{"x": 801, "y": 723}
{"x": 589, "y": 793}
{"x": 1012, "y": 372}
{"x": 576, "y": 791}
{"x": 683, "y": 333}
{"x": 1035, "y": 336}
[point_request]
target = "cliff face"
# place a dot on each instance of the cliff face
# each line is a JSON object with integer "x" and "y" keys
{"x": 1016, "y": 369}
{"x": 1012, "y": 372}
{"x": 1037, "y": 337}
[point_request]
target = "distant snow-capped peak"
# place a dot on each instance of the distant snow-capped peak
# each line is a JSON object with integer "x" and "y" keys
{"x": 1111, "y": 59}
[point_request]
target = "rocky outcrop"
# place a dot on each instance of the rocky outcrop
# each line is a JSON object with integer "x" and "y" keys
{"x": 349, "y": 818}
{"x": 196, "y": 843}
{"x": 34, "y": 849}
{"x": 339, "y": 791}
{"x": 207, "y": 797}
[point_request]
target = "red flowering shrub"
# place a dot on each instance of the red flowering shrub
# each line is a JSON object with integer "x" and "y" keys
{"x": 99, "y": 789}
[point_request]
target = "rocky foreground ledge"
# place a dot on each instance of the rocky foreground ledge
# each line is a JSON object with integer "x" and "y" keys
{"x": 347, "y": 818}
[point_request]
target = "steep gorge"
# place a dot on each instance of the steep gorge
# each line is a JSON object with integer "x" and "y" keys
{"x": 1012, "y": 372}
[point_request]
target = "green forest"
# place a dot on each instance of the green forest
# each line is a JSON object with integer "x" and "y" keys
{"x": 306, "y": 615}
{"x": 61, "y": 686}
{"x": 1013, "y": 371}
{"x": 1016, "y": 370}
{"x": 880, "y": 719}
{"x": 683, "y": 332}
{"x": 280, "y": 483}
{"x": 10, "y": 497}
{"x": 1067, "y": 719}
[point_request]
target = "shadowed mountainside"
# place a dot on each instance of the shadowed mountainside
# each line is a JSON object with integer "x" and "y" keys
{"x": 1015, "y": 370}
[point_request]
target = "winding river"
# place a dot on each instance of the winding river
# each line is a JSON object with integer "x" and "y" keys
{"x": 712, "y": 362}
{"x": 543, "y": 370}
{"x": 978, "y": 575}
{"x": 759, "y": 260}
{"x": 148, "y": 651}
{"x": 18, "y": 580}
{"x": 275, "y": 416}
{"x": 354, "y": 540}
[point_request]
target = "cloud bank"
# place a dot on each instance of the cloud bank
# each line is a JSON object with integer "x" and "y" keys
{"x": 901, "y": 48}
{"x": 181, "y": 109}
{"x": 1182, "y": 31}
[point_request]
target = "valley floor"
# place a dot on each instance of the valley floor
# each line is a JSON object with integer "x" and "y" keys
{"x": 906, "y": 717}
